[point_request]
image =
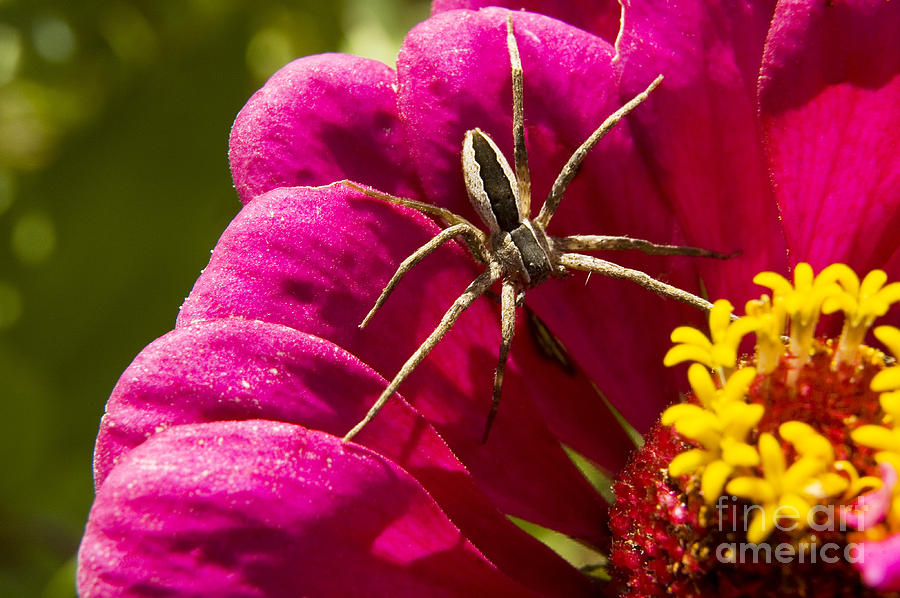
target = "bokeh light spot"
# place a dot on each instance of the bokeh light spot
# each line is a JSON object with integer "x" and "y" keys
{"x": 7, "y": 189}
{"x": 33, "y": 238}
{"x": 53, "y": 38}
{"x": 10, "y": 304}
{"x": 267, "y": 51}
{"x": 10, "y": 53}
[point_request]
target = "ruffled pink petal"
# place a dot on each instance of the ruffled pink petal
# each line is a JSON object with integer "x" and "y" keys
{"x": 318, "y": 120}
{"x": 257, "y": 508}
{"x": 700, "y": 133}
{"x": 454, "y": 74}
{"x": 871, "y": 508}
{"x": 600, "y": 17}
{"x": 235, "y": 369}
{"x": 830, "y": 102}
{"x": 315, "y": 259}
{"x": 879, "y": 564}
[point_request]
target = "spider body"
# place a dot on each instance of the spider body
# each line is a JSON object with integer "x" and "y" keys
{"x": 517, "y": 248}
{"x": 522, "y": 248}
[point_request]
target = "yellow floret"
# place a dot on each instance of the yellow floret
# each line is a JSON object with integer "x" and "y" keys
{"x": 719, "y": 350}
{"x": 720, "y": 426}
{"x": 770, "y": 321}
{"x": 788, "y": 492}
{"x": 802, "y": 301}
{"x": 861, "y": 303}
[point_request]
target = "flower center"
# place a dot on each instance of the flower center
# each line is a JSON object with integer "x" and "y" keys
{"x": 778, "y": 470}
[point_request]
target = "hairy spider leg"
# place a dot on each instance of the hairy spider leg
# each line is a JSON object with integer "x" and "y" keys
{"x": 572, "y": 166}
{"x": 508, "y": 304}
{"x": 587, "y": 263}
{"x": 609, "y": 243}
{"x": 448, "y": 217}
{"x": 520, "y": 152}
{"x": 420, "y": 254}
{"x": 477, "y": 288}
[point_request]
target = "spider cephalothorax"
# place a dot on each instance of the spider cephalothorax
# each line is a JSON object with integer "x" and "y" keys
{"x": 517, "y": 248}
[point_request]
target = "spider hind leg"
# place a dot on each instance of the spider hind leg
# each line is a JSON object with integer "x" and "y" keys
{"x": 477, "y": 288}
{"x": 508, "y": 303}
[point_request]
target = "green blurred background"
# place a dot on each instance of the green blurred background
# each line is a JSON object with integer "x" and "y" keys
{"x": 114, "y": 186}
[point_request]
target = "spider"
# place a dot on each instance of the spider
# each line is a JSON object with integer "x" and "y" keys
{"x": 516, "y": 248}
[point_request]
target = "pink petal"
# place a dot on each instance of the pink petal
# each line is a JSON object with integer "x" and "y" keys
{"x": 700, "y": 132}
{"x": 830, "y": 101}
{"x": 600, "y": 17}
{"x": 315, "y": 259}
{"x": 870, "y": 509}
{"x": 880, "y": 563}
{"x": 235, "y": 369}
{"x": 257, "y": 508}
{"x": 318, "y": 120}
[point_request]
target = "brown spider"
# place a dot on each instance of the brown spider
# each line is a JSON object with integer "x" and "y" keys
{"x": 517, "y": 248}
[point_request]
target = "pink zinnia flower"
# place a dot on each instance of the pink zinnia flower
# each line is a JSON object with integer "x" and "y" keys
{"x": 219, "y": 467}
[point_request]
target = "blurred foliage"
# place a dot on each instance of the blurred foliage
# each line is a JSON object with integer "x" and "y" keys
{"x": 114, "y": 186}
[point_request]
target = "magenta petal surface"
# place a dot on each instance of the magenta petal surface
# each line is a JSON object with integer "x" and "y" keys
{"x": 317, "y": 120}
{"x": 257, "y": 508}
{"x": 700, "y": 132}
{"x": 234, "y": 369}
{"x": 315, "y": 259}
{"x": 830, "y": 101}
{"x": 600, "y": 17}
{"x": 880, "y": 564}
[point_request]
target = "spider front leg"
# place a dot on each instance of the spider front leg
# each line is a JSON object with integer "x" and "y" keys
{"x": 448, "y": 217}
{"x": 574, "y": 163}
{"x": 586, "y": 263}
{"x": 607, "y": 243}
{"x": 473, "y": 237}
{"x": 477, "y": 288}
{"x": 508, "y": 304}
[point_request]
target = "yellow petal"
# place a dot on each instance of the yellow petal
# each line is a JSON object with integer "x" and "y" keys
{"x": 756, "y": 489}
{"x": 771, "y": 457}
{"x": 888, "y": 379}
{"x": 792, "y": 512}
{"x": 761, "y": 524}
{"x": 778, "y": 283}
{"x": 739, "y": 453}
{"x": 890, "y": 336}
{"x": 876, "y": 437}
{"x": 843, "y": 275}
{"x": 681, "y": 353}
{"x": 714, "y": 477}
{"x": 806, "y": 440}
{"x": 702, "y": 383}
{"x": 680, "y": 411}
{"x": 688, "y": 462}
{"x": 738, "y": 383}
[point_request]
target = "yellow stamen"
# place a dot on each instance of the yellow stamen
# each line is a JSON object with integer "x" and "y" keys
{"x": 718, "y": 351}
{"x": 788, "y": 492}
{"x": 770, "y": 322}
{"x": 861, "y": 303}
{"x": 802, "y": 302}
{"x": 720, "y": 426}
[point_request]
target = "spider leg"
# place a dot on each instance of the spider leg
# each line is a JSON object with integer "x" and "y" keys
{"x": 586, "y": 263}
{"x": 472, "y": 292}
{"x": 447, "y": 216}
{"x": 507, "y": 329}
{"x": 603, "y": 242}
{"x": 420, "y": 254}
{"x": 520, "y": 152}
{"x": 571, "y": 168}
